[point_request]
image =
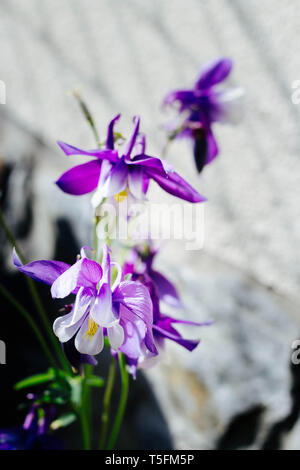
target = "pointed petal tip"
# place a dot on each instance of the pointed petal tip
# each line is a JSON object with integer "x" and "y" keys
{"x": 16, "y": 259}
{"x": 201, "y": 198}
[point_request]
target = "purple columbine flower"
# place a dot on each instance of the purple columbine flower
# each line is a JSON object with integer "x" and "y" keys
{"x": 74, "y": 357}
{"x": 203, "y": 105}
{"x": 163, "y": 328}
{"x": 34, "y": 434}
{"x": 122, "y": 307}
{"x": 139, "y": 263}
{"x": 117, "y": 173}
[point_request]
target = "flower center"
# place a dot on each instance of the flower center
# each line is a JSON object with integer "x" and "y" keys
{"x": 92, "y": 329}
{"x": 120, "y": 197}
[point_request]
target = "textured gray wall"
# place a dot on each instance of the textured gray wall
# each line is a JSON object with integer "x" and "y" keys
{"x": 124, "y": 56}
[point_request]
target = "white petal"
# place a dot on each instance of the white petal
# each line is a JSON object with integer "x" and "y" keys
{"x": 89, "y": 344}
{"x": 231, "y": 102}
{"x": 66, "y": 326}
{"x": 116, "y": 336}
{"x": 81, "y": 305}
{"x": 97, "y": 197}
{"x": 64, "y": 329}
{"x": 101, "y": 312}
{"x": 135, "y": 183}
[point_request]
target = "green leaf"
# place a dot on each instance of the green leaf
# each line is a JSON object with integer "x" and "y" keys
{"x": 35, "y": 380}
{"x": 95, "y": 381}
{"x": 63, "y": 421}
{"x": 76, "y": 389}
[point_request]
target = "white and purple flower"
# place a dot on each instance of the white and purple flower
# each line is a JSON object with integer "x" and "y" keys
{"x": 123, "y": 308}
{"x": 139, "y": 263}
{"x": 160, "y": 289}
{"x": 207, "y": 102}
{"x": 118, "y": 173}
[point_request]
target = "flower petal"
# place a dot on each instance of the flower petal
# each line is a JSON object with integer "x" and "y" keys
{"x": 214, "y": 72}
{"x": 140, "y": 146}
{"x": 230, "y": 103}
{"x": 116, "y": 336}
{"x": 116, "y": 180}
{"x": 89, "y": 344}
{"x": 172, "y": 334}
{"x": 90, "y": 273}
{"x": 135, "y": 182}
{"x": 66, "y": 326}
{"x": 164, "y": 329}
{"x": 64, "y": 329}
{"x": 134, "y": 335}
{"x": 84, "y": 273}
{"x": 166, "y": 291}
{"x": 102, "y": 312}
{"x": 42, "y": 270}
{"x": 177, "y": 186}
{"x": 205, "y": 148}
{"x": 135, "y": 297}
{"x": 146, "y": 182}
{"x": 110, "y": 132}
{"x": 184, "y": 97}
{"x": 80, "y": 179}
{"x": 75, "y": 358}
{"x": 106, "y": 264}
{"x": 132, "y": 141}
{"x": 102, "y": 154}
{"x": 153, "y": 163}
{"x": 98, "y": 195}
{"x": 212, "y": 147}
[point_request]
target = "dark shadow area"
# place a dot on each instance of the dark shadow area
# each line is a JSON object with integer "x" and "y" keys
{"x": 276, "y": 433}
{"x": 144, "y": 424}
{"x": 242, "y": 430}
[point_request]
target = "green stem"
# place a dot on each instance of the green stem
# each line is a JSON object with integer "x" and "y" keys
{"x": 46, "y": 323}
{"x": 88, "y": 116}
{"x": 122, "y": 403}
{"x": 85, "y": 411}
{"x": 106, "y": 403}
{"x": 35, "y": 296}
{"x": 85, "y": 432}
{"x": 32, "y": 324}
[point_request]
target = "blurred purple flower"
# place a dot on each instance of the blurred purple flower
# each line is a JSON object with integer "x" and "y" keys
{"x": 163, "y": 329}
{"x": 123, "y": 308}
{"x": 159, "y": 288}
{"x": 203, "y": 105}
{"x": 34, "y": 434}
{"x": 114, "y": 175}
{"x": 139, "y": 262}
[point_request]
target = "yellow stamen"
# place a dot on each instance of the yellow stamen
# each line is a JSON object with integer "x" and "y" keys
{"x": 92, "y": 329}
{"x": 121, "y": 196}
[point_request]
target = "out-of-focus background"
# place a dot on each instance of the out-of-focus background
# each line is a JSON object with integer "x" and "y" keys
{"x": 238, "y": 389}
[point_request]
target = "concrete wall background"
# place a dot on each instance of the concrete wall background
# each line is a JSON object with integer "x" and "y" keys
{"x": 124, "y": 56}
